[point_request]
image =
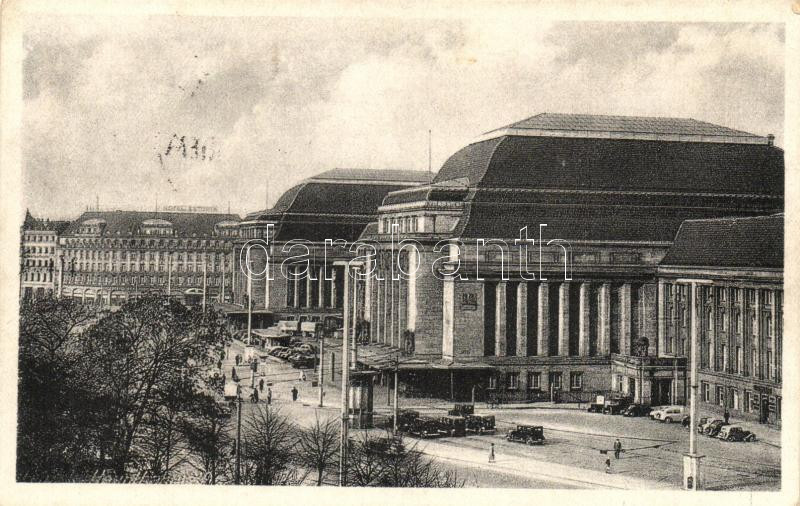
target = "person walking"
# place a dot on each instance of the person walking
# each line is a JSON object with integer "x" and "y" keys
{"x": 234, "y": 377}
{"x": 269, "y": 396}
{"x": 255, "y": 396}
{"x": 294, "y": 394}
{"x": 491, "y": 454}
{"x": 726, "y": 416}
{"x": 261, "y": 384}
{"x": 617, "y": 448}
{"x": 219, "y": 364}
{"x": 608, "y": 465}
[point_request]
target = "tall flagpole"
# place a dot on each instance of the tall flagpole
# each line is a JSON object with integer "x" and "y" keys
{"x": 249, "y": 297}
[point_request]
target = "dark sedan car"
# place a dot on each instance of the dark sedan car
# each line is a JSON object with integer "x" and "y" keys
{"x": 636, "y": 410}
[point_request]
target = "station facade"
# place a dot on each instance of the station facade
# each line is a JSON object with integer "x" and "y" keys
{"x": 576, "y": 313}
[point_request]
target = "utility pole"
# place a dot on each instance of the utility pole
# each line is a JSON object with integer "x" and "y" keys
{"x": 249, "y": 296}
{"x": 394, "y": 418}
{"x": 691, "y": 461}
{"x": 345, "y": 385}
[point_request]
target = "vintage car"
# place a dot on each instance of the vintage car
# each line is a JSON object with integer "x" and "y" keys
{"x": 405, "y": 418}
{"x": 461, "y": 410}
{"x": 713, "y": 427}
{"x": 529, "y": 434}
{"x": 453, "y": 426}
{"x": 480, "y": 424}
{"x": 735, "y": 433}
{"x": 668, "y": 414}
{"x": 302, "y": 361}
{"x": 636, "y": 410}
{"x": 425, "y": 427}
{"x": 615, "y": 405}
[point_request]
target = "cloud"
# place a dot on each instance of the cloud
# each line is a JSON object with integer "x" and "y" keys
{"x": 278, "y": 100}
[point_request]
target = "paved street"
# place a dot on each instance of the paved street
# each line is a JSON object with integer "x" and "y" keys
{"x": 571, "y": 456}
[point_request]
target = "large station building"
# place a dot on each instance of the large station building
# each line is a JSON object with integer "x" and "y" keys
{"x": 335, "y": 205}
{"x": 577, "y": 312}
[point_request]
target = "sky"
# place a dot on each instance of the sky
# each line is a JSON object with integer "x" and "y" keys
{"x": 144, "y": 111}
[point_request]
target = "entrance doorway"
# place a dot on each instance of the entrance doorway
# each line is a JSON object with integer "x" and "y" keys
{"x": 661, "y": 392}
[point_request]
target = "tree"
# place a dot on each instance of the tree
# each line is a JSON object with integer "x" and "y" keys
{"x": 55, "y": 433}
{"x": 389, "y": 462}
{"x": 208, "y": 439}
{"x": 319, "y": 446}
{"x": 135, "y": 357}
{"x": 269, "y": 443}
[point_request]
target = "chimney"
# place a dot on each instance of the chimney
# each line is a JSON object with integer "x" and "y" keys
{"x": 770, "y": 140}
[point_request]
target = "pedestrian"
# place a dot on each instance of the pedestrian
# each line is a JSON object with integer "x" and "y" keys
{"x": 302, "y": 375}
{"x": 261, "y": 384}
{"x": 233, "y": 373}
{"x": 726, "y": 416}
{"x": 269, "y": 396}
{"x": 617, "y": 448}
{"x": 294, "y": 394}
{"x": 255, "y": 396}
{"x": 608, "y": 465}
{"x": 219, "y": 364}
{"x": 491, "y": 454}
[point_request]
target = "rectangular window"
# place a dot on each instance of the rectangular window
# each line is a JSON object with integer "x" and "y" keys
{"x": 512, "y": 380}
{"x": 706, "y": 392}
{"x": 720, "y": 396}
{"x": 535, "y": 380}
{"x": 493, "y": 382}
{"x": 575, "y": 380}
{"x": 556, "y": 379}
{"x": 769, "y": 365}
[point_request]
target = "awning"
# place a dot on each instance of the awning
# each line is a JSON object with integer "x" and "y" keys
{"x": 383, "y": 357}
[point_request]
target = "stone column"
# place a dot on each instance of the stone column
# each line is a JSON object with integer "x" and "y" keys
{"x": 625, "y": 319}
{"x": 321, "y": 285}
{"x": 584, "y": 328}
{"x": 563, "y": 320}
{"x": 500, "y": 320}
{"x": 757, "y": 340}
{"x": 334, "y": 275}
{"x": 543, "y": 321}
{"x": 661, "y": 313}
{"x": 296, "y": 281}
{"x": 522, "y": 319}
{"x": 604, "y": 321}
{"x": 309, "y": 292}
{"x": 773, "y": 335}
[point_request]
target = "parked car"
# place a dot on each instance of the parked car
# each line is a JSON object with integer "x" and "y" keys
{"x": 713, "y": 427}
{"x": 405, "y": 418}
{"x": 615, "y": 406}
{"x": 453, "y": 426}
{"x": 636, "y": 410}
{"x": 669, "y": 414}
{"x": 701, "y": 424}
{"x": 302, "y": 361}
{"x": 425, "y": 427}
{"x": 480, "y": 424}
{"x": 461, "y": 410}
{"x": 735, "y": 433}
{"x": 654, "y": 409}
{"x": 529, "y": 434}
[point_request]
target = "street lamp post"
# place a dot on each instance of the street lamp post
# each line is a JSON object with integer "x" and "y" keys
{"x": 238, "y": 434}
